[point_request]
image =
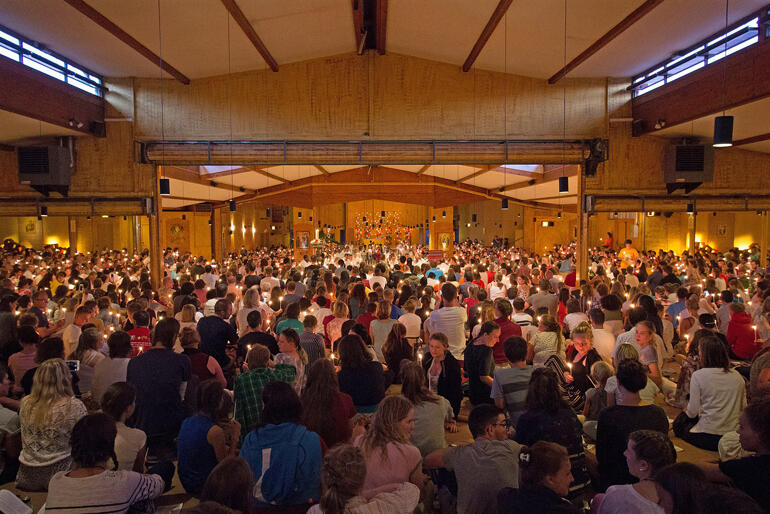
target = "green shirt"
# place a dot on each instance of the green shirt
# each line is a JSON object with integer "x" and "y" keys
{"x": 248, "y": 393}
{"x": 294, "y": 324}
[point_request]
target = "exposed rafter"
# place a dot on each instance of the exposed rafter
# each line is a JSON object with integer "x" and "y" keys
{"x": 475, "y": 174}
{"x": 636, "y": 15}
{"x": 267, "y": 174}
{"x": 549, "y": 174}
{"x": 124, "y": 36}
{"x": 321, "y": 169}
{"x": 490, "y": 27}
{"x": 247, "y": 28}
{"x": 753, "y": 139}
{"x": 185, "y": 175}
{"x": 382, "y": 25}
{"x": 423, "y": 169}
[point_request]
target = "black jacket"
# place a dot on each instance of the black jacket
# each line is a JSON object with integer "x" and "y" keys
{"x": 449, "y": 381}
{"x": 534, "y": 500}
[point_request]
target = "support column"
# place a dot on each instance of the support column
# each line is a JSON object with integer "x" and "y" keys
{"x": 691, "y": 229}
{"x": 156, "y": 256}
{"x": 136, "y": 233}
{"x": 643, "y": 230}
{"x": 763, "y": 241}
{"x": 582, "y": 241}
{"x": 216, "y": 234}
{"x": 72, "y": 233}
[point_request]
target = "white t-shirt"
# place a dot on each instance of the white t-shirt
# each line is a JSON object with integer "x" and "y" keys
{"x": 604, "y": 343}
{"x": 647, "y": 394}
{"x": 624, "y": 498}
{"x": 717, "y": 397}
{"x": 573, "y": 319}
{"x": 128, "y": 442}
{"x": 412, "y": 322}
{"x": 451, "y": 322}
{"x": 70, "y": 336}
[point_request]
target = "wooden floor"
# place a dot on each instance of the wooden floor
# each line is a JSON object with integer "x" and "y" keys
{"x": 176, "y": 497}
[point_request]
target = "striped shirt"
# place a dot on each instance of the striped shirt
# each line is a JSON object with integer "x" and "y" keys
{"x": 107, "y": 492}
{"x": 511, "y": 384}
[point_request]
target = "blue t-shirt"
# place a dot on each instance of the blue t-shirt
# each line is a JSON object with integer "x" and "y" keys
{"x": 196, "y": 455}
{"x": 436, "y": 273}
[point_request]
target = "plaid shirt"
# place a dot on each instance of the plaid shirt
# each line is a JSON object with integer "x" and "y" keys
{"x": 248, "y": 393}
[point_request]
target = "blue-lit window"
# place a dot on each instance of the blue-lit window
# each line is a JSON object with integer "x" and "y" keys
{"x": 55, "y": 66}
{"x": 724, "y": 43}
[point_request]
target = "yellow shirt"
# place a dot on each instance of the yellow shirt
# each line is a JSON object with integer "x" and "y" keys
{"x": 627, "y": 257}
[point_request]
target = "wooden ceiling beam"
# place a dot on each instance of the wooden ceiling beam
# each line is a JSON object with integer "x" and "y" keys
{"x": 124, "y": 36}
{"x": 382, "y": 25}
{"x": 358, "y": 25}
{"x": 753, "y": 139}
{"x": 707, "y": 91}
{"x": 267, "y": 174}
{"x": 423, "y": 169}
{"x": 490, "y": 27}
{"x": 636, "y": 15}
{"x": 185, "y": 175}
{"x": 321, "y": 169}
{"x": 473, "y": 175}
{"x": 248, "y": 29}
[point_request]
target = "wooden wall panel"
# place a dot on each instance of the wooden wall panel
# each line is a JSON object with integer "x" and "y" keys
{"x": 329, "y": 98}
{"x": 489, "y": 217}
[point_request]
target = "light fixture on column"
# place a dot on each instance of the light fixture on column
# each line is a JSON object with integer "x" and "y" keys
{"x": 434, "y": 219}
{"x": 310, "y": 219}
{"x": 267, "y": 212}
{"x": 504, "y": 205}
{"x": 233, "y": 206}
{"x": 473, "y": 218}
{"x": 690, "y": 208}
{"x": 43, "y": 211}
{"x": 563, "y": 185}
{"x": 299, "y": 214}
{"x": 164, "y": 186}
{"x": 558, "y": 215}
{"x": 443, "y": 214}
{"x": 382, "y": 214}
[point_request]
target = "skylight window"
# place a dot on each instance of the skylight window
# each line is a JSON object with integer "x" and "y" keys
{"x": 18, "y": 49}
{"x": 726, "y": 42}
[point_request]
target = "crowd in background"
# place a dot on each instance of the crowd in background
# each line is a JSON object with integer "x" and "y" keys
{"x": 329, "y": 384}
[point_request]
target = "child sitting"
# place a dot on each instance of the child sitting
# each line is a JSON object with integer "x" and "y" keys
{"x": 596, "y": 397}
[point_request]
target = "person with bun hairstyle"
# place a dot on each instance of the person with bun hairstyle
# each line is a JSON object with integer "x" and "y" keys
{"x": 545, "y": 478}
{"x": 647, "y": 453}
{"x": 343, "y": 473}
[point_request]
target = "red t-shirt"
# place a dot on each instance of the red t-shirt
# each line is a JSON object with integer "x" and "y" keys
{"x": 140, "y": 339}
{"x": 365, "y": 319}
{"x": 507, "y": 329}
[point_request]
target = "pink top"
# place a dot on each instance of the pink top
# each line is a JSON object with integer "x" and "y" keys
{"x": 402, "y": 459}
{"x": 19, "y": 363}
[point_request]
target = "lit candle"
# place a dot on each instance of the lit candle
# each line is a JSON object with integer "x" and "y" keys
{"x": 419, "y": 356}
{"x": 756, "y": 335}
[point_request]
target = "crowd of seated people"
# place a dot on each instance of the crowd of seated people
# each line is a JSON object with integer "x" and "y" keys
{"x": 330, "y": 384}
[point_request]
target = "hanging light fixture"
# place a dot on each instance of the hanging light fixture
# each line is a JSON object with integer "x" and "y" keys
{"x": 564, "y": 181}
{"x": 504, "y": 205}
{"x": 43, "y": 211}
{"x": 723, "y": 125}
{"x": 164, "y": 186}
{"x": 233, "y": 206}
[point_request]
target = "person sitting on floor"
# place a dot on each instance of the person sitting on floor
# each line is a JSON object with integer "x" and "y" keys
{"x": 91, "y": 485}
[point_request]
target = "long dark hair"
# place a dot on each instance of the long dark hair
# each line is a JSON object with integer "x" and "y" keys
{"x": 544, "y": 392}
{"x": 353, "y": 353}
{"x": 318, "y": 399}
{"x": 413, "y": 384}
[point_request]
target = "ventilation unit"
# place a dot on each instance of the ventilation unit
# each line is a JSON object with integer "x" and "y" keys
{"x": 687, "y": 166}
{"x": 46, "y": 168}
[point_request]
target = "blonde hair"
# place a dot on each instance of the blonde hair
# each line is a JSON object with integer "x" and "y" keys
{"x": 188, "y": 313}
{"x": 340, "y": 310}
{"x": 384, "y": 427}
{"x": 52, "y": 383}
{"x": 626, "y": 351}
{"x": 601, "y": 372}
{"x": 383, "y": 310}
{"x": 342, "y": 477}
{"x": 487, "y": 311}
{"x": 584, "y": 329}
{"x": 250, "y": 298}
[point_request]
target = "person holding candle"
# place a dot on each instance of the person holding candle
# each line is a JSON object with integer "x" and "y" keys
{"x": 741, "y": 334}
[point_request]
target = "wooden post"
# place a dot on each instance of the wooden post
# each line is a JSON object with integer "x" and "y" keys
{"x": 218, "y": 234}
{"x": 582, "y": 241}
{"x": 763, "y": 241}
{"x": 72, "y": 233}
{"x": 156, "y": 255}
{"x": 691, "y": 227}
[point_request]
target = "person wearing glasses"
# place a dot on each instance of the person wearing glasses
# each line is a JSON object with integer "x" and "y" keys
{"x": 483, "y": 467}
